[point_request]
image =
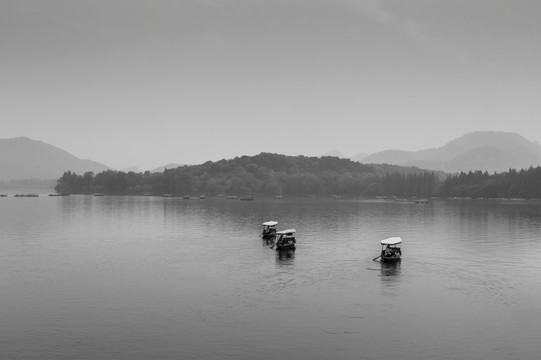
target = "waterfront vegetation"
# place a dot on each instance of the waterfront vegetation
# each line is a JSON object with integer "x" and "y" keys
{"x": 273, "y": 174}
{"x": 524, "y": 183}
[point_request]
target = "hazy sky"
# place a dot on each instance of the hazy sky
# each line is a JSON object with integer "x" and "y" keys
{"x": 145, "y": 83}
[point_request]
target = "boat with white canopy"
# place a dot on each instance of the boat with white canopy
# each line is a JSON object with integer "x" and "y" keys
{"x": 286, "y": 240}
{"x": 269, "y": 229}
{"x": 391, "y": 249}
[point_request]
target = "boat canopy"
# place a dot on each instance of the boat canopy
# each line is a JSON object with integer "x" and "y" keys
{"x": 286, "y": 232}
{"x": 270, "y": 223}
{"x": 392, "y": 241}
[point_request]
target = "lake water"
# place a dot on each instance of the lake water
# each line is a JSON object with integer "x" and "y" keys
{"x": 85, "y": 277}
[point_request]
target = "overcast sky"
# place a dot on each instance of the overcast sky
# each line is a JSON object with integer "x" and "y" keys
{"x": 145, "y": 83}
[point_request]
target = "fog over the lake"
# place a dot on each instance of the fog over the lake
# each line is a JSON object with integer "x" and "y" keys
{"x": 146, "y": 83}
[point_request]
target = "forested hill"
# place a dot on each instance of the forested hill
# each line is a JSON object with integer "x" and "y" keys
{"x": 266, "y": 174}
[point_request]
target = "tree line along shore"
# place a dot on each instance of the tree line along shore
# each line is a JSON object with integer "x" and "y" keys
{"x": 273, "y": 174}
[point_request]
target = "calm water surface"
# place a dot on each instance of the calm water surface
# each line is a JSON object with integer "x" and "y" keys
{"x": 85, "y": 277}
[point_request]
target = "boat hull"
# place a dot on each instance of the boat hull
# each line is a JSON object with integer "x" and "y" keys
{"x": 285, "y": 247}
{"x": 286, "y": 240}
{"x": 390, "y": 259}
{"x": 268, "y": 234}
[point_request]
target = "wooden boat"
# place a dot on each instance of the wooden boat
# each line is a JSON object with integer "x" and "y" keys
{"x": 286, "y": 240}
{"x": 26, "y": 195}
{"x": 269, "y": 229}
{"x": 390, "y": 249}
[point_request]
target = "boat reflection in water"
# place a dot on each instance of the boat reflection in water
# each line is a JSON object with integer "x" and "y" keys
{"x": 285, "y": 257}
{"x": 390, "y": 279}
{"x": 390, "y": 269}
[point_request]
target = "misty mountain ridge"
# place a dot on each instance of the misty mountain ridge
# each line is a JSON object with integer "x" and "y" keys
{"x": 24, "y": 158}
{"x": 357, "y": 157}
{"x": 168, "y": 166}
{"x": 134, "y": 169}
{"x": 490, "y": 151}
{"x": 336, "y": 153}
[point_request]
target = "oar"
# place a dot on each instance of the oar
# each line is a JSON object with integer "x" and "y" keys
{"x": 275, "y": 242}
{"x": 377, "y": 257}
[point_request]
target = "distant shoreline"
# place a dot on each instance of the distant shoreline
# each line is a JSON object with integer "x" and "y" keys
{"x": 26, "y": 186}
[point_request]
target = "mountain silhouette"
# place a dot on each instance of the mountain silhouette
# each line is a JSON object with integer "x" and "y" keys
{"x": 490, "y": 151}
{"x": 336, "y": 153}
{"x": 24, "y": 158}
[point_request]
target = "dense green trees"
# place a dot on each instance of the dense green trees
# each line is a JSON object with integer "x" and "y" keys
{"x": 266, "y": 174}
{"x": 273, "y": 174}
{"x": 525, "y": 183}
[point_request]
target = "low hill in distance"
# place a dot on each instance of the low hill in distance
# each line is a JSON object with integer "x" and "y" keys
{"x": 336, "y": 153}
{"x": 23, "y": 158}
{"x": 168, "y": 166}
{"x": 484, "y": 150}
{"x": 359, "y": 157}
{"x": 131, "y": 169}
{"x": 263, "y": 174}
